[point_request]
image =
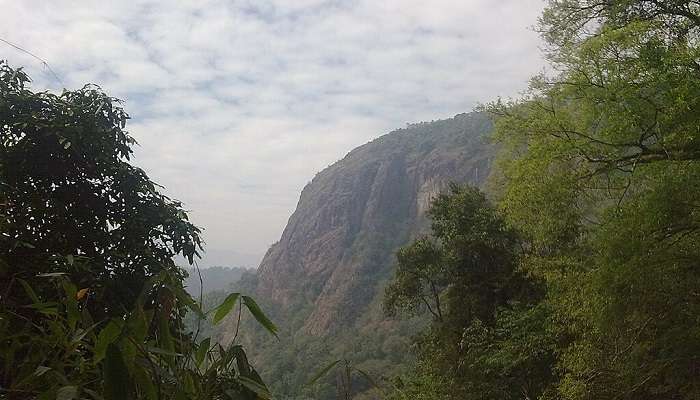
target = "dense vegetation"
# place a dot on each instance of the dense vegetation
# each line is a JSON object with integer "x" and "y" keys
{"x": 487, "y": 338}
{"x": 293, "y": 361}
{"x": 91, "y": 301}
{"x": 577, "y": 276}
{"x": 593, "y": 241}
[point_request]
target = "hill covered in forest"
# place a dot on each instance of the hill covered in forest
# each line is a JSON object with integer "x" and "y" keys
{"x": 323, "y": 281}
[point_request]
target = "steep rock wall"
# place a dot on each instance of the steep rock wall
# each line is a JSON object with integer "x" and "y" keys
{"x": 339, "y": 244}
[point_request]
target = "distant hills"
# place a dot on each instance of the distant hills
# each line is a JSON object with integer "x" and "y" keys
{"x": 213, "y": 279}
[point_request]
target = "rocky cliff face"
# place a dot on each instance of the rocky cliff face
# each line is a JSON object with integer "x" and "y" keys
{"x": 337, "y": 249}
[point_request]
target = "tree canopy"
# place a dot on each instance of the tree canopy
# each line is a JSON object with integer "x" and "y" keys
{"x": 484, "y": 342}
{"x": 599, "y": 173}
{"x": 91, "y": 301}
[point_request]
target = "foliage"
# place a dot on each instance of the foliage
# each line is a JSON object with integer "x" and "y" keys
{"x": 487, "y": 339}
{"x": 345, "y": 371}
{"x": 372, "y": 345}
{"x": 600, "y": 172}
{"x": 91, "y": 302}
{"x": 470, "y": 264}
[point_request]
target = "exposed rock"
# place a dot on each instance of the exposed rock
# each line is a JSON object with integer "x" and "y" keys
{"x": 339, "y": 243}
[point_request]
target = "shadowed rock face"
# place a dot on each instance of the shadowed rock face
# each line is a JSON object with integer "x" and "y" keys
{"x": 339, "y": 244}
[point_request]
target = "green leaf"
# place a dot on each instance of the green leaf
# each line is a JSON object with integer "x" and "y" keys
{"x": 30, "y": 292}
{"x": 71, "y": 303}
{"x": 107, "y": 336}
{"x": 128, "y": 351}
{"x": 41, "y": 370}
{"x": 165, "y": 337}
{"x": 80, "y": 334}
{"x": 241, "y": 359}
{"x": 225, "y": 308}
{"x": 202, "y": 351}
{"x": 138, "y": 324}
{"x": 67, "y": 393}
{"x": 188, "y": 301}
{"x": 144, "y": 384}
{"x": 117, "y": 383}
{"x": 320, "y": 374}
{"x": 165, "y": 352}
{"x": 48, "y": 308}
{"x": 51, "y": 275}
{"x": 255, "y": 387}
{"x": 260, "y": 315}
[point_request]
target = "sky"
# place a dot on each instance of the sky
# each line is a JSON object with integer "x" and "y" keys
{"x": 236, "y": 105}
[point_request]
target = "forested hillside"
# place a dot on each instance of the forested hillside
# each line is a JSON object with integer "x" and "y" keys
{"x": 323, "y": 281}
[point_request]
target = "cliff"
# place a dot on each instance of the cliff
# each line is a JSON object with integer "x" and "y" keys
{"x": 354, "y": 212}
{"x": 325, "y": 276}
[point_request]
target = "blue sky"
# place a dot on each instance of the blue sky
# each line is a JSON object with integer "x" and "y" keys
{"x": 237, "y": 104}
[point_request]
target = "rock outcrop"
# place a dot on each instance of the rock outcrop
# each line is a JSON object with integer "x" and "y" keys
{"x": 339, "y": 244}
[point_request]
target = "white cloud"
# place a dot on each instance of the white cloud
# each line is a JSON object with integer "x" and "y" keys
{"x": 237, "y": 105}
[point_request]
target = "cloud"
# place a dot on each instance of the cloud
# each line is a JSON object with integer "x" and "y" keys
{"x": 236, "y": 105}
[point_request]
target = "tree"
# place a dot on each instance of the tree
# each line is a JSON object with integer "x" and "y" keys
{"x": 471, "y": 253}
{"x": 600, "y": 172}
{"x": 91, "y": 301}
{"x": 487, "y": 339}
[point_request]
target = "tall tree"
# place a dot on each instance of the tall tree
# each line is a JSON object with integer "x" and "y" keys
{"x": 601, "y": 173}
{"x": 486, "y": 340}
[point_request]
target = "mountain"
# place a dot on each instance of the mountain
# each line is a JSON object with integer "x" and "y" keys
{"x": 323, "y": 281}
{"x": 213, "y": 279}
